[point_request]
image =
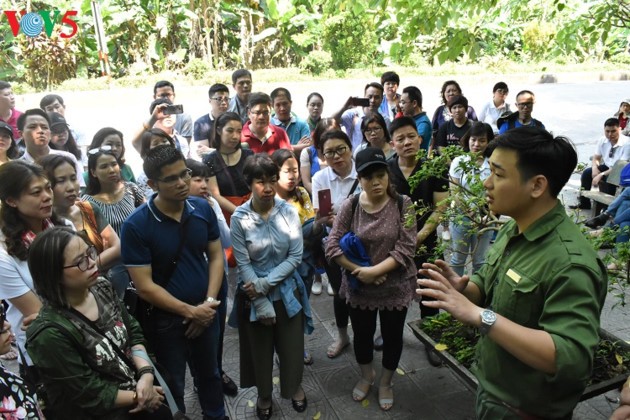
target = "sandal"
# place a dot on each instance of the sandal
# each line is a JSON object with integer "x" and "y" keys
{"x": 357, "y": 393}
{"x": 386, "y": 404}
{"x": 264, "y": 413}
{"x": 336, "y": 348}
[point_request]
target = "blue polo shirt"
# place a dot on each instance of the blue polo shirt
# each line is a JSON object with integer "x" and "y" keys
{"x": 296, "y": 129}
{"x": 149, "y": 237}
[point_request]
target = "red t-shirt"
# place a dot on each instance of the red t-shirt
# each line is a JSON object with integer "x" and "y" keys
{"x": 15, "y": 114}
{"x": 278, "y": 140}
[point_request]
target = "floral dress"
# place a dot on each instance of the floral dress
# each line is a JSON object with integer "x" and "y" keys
{"x": 18, "y": 401}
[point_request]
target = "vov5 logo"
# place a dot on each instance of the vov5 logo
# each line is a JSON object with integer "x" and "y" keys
{"x": 33, "y": 23}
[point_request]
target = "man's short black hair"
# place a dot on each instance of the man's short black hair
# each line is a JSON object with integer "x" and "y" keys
{"x": 217, "y": 87}
{"x": 500, "y": 85}
{"x": 457, "y": 100}
{"x": 161, "y": 84}
{"x": 414, "y": 94}
{"x": 49, "y": 99}
{"x": 157, "y": 102}
{"x": 259, "y": 166}
{"x": 401, "y": 122}
{"x": 375, "y": 85}
{"x": 240, "y": 73}
{"x": 280, "y": 92}
{"x": 523, "y": 92}
{"x": 540, "y": 153}
{"x": 33, "y": 111}
{"x": 4, "y": 85}
{"x": 611, "y": 122}
{"x": 258, "y": 98}
{"x": 390, "y": 76}
{"x": 158, "y": 158}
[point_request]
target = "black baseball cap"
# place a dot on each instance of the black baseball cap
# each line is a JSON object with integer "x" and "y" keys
{"x": 57, "y": 120}
{"x": 370, "y": 156}
{"x": 6, "y": 127}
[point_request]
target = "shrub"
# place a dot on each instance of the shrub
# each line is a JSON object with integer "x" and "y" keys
{"x": 316, "y": 62}
{"x": 197, "y": 68}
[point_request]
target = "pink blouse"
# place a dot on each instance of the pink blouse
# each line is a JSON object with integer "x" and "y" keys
{"x": 383, "y": 234}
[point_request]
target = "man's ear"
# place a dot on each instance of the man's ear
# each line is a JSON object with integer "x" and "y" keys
{"x": 539, "y": 185}
{"x": 153, "y": 185}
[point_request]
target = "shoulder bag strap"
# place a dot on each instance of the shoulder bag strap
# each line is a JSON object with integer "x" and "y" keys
{"x": 78, "y": 315}
{"x": 182, "y": 240}
{"x": 354, "y": 187}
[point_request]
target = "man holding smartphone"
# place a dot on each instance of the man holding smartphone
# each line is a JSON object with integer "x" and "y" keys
{"x": 351, "y": 115}
{"x": 163, "y": 116}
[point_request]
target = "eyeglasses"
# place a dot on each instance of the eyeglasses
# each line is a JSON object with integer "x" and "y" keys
{"x": 100, "y": 149}
{"x": 340, "y": 151}
{"x": 525, "y": 104}
{"x": 172, "y": 179}
{"x": 221, "y": 99}
{"x": 84, "y": 262}
{"x": 259, "y": 113}
{"x": 373, "y": 130}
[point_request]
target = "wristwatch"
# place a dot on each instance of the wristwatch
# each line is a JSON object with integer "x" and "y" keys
{"x": 488, "y": 318}
{"x": 210, "y": 299}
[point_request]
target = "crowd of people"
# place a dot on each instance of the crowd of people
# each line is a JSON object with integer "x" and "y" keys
{"x": 291, "y": 205}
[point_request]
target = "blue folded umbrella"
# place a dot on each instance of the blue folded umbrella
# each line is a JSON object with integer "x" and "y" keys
{"x": 354, "y": 250}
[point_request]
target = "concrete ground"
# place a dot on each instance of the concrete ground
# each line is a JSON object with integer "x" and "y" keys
{"x": 421, "y": 392}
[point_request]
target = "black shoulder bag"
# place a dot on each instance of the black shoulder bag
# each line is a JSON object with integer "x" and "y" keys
{"x": 143, "y": 310}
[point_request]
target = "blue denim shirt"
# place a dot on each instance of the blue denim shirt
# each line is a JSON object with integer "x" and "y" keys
{"x": 268, "y": 253}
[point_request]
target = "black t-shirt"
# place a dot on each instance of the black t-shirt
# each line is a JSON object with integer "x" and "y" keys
{"x": 229, "y": 178}
{"x": 422, "y": 195}
{"x": 450, "y": 134}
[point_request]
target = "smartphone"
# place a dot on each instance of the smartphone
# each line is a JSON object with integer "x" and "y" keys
{"x": 173, "y": 109}
{"x": 364, "y": 102}
{"x": 325, "y": 203}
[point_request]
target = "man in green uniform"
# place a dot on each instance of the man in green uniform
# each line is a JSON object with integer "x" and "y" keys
{"x": 538, "y": 299}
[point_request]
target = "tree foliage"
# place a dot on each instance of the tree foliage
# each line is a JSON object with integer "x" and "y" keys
{"x": 153, "y": 35}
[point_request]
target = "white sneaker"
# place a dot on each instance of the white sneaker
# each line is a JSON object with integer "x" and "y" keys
{"x": 330, "y": 290}
{"x": 446, "y": 235}
{"x": 316, "y": 288}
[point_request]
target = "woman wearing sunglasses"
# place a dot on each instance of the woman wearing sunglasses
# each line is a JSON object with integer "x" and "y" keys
{"x": 86, "y": 218}
{"x": 116, "y": 198}
{"x": 112, "y": 138}
{"x": 86, "y": 347}
{"x": 19, "y": 401}
{"x": 26, "y": 210}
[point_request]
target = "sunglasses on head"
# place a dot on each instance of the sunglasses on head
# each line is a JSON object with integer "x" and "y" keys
{"x": 100, "y": 149}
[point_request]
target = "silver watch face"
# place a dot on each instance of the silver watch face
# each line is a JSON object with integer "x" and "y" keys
{"x": 488, "y": 317}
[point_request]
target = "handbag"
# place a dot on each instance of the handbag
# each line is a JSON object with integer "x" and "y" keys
{"x": 143, "y": 310}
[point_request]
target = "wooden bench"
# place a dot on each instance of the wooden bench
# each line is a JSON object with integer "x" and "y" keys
{"x": 601, "y": 199}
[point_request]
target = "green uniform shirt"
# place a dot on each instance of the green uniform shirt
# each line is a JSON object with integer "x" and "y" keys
{"x": 547, "y": 278}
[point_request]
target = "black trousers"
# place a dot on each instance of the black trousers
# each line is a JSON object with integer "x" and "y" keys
{"x": 364, "y": 327}
{"x": 333, "y": 271}
{"x": 587, "y": 181}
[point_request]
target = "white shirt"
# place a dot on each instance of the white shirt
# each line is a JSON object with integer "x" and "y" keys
{"x": 327, "y": 179}
{"x": 465, "y": 179}
{"x": 77, "y": 164}
{"x": 609, "y": 158}
{"x": 490, "y": 114}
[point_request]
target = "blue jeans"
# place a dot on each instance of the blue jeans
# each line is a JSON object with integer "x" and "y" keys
{"x": 465, "y": 242}
{"x": 620, "y": 203}
{"x": 173, "y": 350}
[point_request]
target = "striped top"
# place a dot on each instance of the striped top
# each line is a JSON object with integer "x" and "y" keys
{"x": 117, "y": 213}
